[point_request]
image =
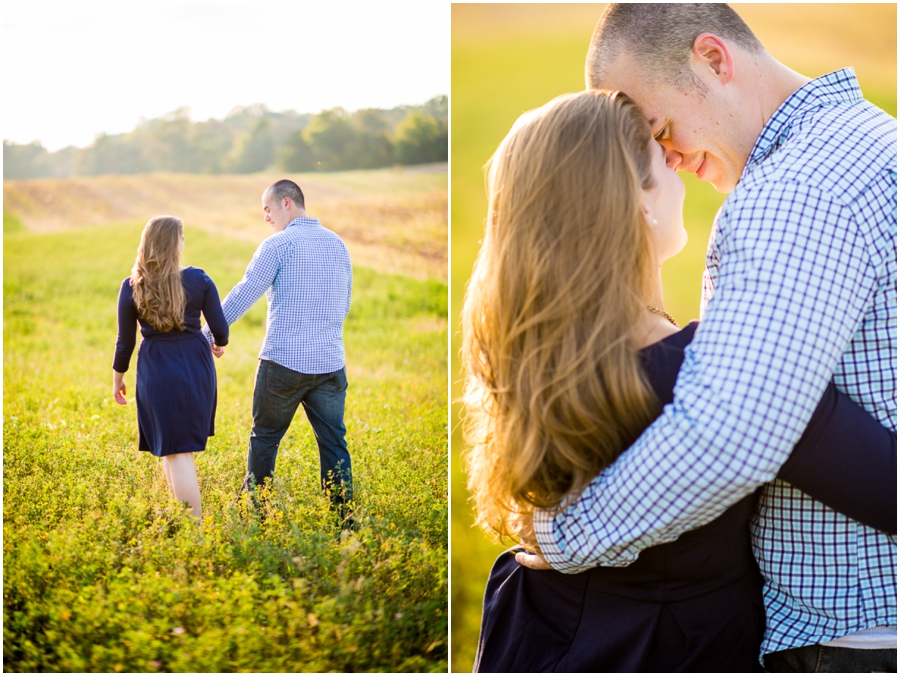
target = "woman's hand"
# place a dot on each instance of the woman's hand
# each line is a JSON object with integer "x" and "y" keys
{"x": 217, "y": 351}
{"x": 119, "y": 387}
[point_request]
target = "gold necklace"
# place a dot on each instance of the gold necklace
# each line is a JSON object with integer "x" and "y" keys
{"x": 663, "y": 314}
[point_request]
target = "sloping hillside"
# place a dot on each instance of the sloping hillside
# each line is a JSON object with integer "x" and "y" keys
{"x": 394, "y": 220}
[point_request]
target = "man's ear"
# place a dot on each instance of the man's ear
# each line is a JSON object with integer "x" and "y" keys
{"x": 286, "y": 203}
{"x": 714, "y": 56}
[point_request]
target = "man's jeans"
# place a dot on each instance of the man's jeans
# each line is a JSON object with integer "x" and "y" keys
{"x": 823, "y": 659}
{"x": 278, "y": 393}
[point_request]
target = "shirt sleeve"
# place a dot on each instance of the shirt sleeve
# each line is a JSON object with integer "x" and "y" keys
{"x": 794, "y": 279}
{"x": 259, "y": 276}
{"x": 215, "y": 316}
{"x": 127, "y": 322}
{"x": 349, "y": 285}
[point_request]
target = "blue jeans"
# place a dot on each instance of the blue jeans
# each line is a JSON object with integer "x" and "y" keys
{"x": 278, "y": 393}
{"x": 822, "y": 659}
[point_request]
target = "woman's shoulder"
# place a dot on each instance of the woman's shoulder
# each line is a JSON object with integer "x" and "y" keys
{"x": 678, "y": 340}
{"x": 195, "y": 274}
{"x": 662, "y": 361}
{"x": 685, "y": 335}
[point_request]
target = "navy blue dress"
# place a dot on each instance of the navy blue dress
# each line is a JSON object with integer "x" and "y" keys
{"x": 175, "y": 386}
{"x": 694, "y": 604}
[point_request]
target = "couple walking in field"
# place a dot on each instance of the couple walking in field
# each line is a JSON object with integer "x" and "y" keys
{"x": 305, "y": 272}
{"x": 715, "y": 497}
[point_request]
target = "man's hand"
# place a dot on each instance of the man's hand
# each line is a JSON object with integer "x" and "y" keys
{"x": 531, "y": 558}
{"x": 217, "y": 351}
{"x": 533, "y": 561}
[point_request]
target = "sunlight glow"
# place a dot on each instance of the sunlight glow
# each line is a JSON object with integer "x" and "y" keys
{"x": 74, "y": 70}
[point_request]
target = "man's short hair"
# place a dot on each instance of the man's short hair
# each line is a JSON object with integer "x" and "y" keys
{"x": 659, "y": 37}
{"x": 287, "y": 188}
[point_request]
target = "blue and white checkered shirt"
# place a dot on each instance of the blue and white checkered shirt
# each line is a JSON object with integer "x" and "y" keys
{"x": 305, "y": 273}
{"x": 803, "y": 262}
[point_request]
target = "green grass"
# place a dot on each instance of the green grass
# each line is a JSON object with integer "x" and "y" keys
{"x": 11, "y": 223}
{"x": 507, "y": 59}
{"x": 104, "y": 572}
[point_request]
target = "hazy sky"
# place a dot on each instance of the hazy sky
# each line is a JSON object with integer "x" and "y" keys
{"x": 72, "y": 70}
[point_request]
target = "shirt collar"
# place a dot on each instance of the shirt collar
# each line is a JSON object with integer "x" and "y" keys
{"x": 302, "y": 220}
{"x": 837, "y": 87}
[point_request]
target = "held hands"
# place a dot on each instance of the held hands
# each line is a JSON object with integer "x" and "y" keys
{"x": 531, "y": 558}
{"x": 119, "y": 388}
{"x": 217, "y": 351}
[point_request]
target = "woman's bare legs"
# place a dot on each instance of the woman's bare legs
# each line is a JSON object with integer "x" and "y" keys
{"x": 182, "y": 477}
{"x": 168, "y": 473}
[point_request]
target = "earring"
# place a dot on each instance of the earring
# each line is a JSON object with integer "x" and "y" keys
{"x": 655, "y": 222}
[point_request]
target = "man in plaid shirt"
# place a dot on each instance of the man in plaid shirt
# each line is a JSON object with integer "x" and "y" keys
{"x": 304, "y": 270}
{"x": 800, "y": 288}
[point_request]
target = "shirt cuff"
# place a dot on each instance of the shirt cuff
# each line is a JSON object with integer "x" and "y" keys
{"x": 208, "y": 335}
{"x": 543, "y": 531}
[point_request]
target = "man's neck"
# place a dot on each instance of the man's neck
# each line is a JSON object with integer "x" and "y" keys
{"x": 294, "y": 215}
{"x": 774, "y": 84}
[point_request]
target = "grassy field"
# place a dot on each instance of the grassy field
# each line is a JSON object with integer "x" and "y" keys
{"x": 394, "y": 220}
{"x": 104, "y": 572}
{"x": 507, "y": 59}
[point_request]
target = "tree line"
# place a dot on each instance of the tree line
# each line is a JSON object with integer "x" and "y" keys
{"x": 248, "y": 140}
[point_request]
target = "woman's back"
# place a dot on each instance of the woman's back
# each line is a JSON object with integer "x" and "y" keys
{"x": 196, "y": 283}
{"x": 690, "y": 605}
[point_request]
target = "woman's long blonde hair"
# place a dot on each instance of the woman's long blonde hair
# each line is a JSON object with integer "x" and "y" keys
{"x": 554, "y": 388}
{"x": 156, "y": 275}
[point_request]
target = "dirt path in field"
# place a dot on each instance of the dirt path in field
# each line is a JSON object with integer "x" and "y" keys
{"x": 393, "y": 220}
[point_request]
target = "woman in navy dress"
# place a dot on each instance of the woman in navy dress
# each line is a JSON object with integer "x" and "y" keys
{"x": 569, "y": 356}
{"x": 175, "y": 388}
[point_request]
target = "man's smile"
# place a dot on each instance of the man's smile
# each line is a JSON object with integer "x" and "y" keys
{"x": 697, "y": 167}
{"x": 702, "y": 168}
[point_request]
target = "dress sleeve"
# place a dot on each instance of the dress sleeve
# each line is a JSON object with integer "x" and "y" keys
{"x": 215, "y": 317}
{"x": 847, "y": 461}
{"x": 127, "y": 320}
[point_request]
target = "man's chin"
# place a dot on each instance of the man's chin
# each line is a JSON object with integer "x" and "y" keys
{"x": 722, "y": 184}
{"x": 724, "y": 187}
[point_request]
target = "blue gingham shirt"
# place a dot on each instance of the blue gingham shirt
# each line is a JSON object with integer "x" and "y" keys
{"x": 803, "y": 263}
{"x": 305, "y": 272}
